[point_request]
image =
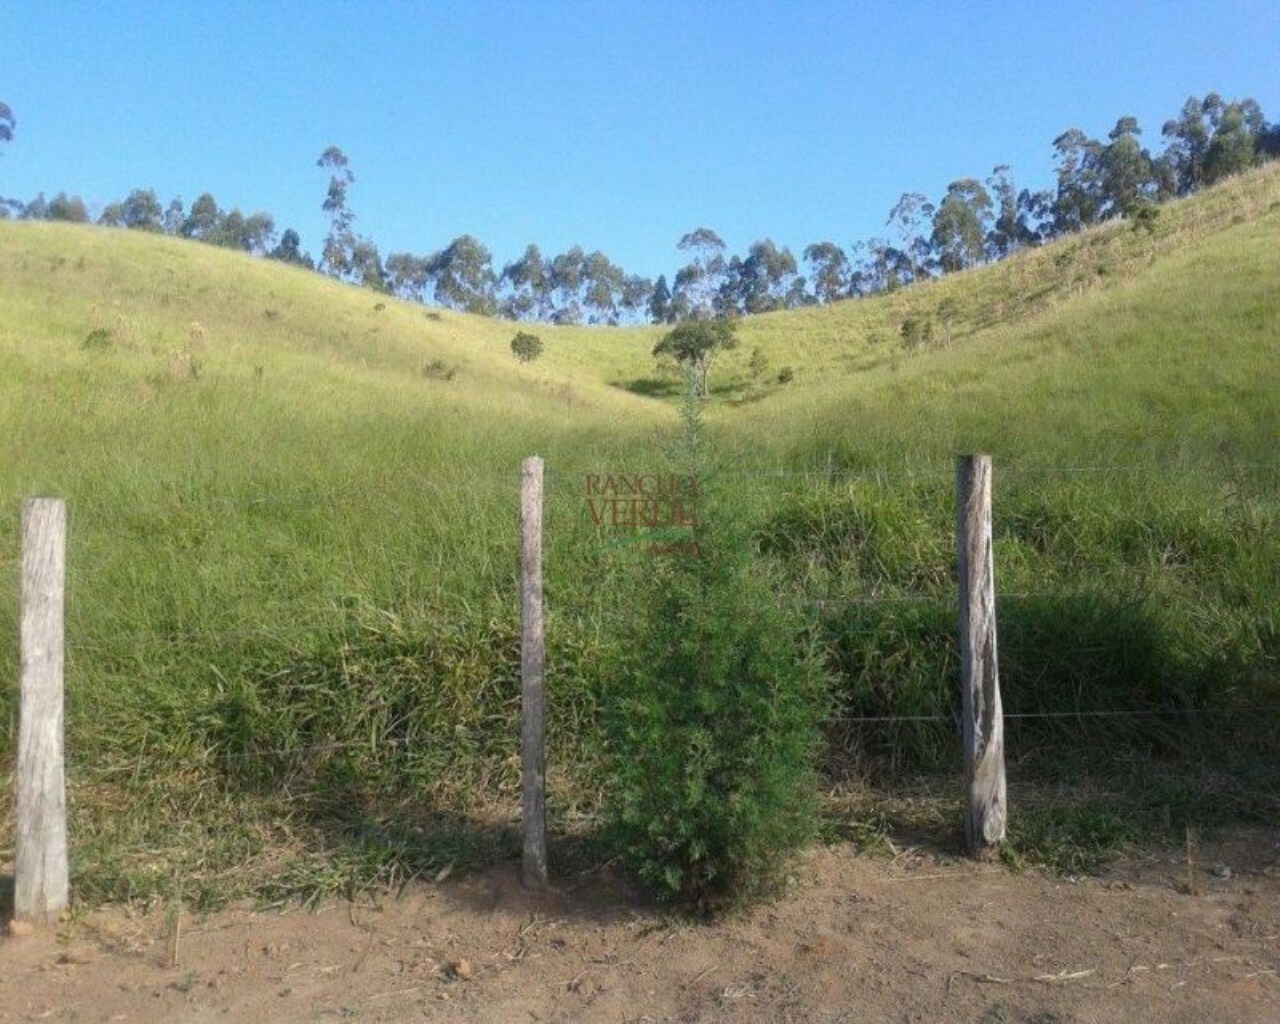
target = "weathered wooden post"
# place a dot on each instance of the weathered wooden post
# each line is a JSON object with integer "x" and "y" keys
{"x": 533, "y": 768}
{"x": 982, "y": 717}
{"x": 40, "y": 876}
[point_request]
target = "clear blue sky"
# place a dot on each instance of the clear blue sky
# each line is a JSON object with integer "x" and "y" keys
{"x": 613, "y": 125}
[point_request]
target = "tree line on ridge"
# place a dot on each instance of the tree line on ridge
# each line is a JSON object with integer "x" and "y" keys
{"x": 974, "y": 222}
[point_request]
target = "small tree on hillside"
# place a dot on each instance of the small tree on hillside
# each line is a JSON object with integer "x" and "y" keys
{"x": 694, "y": 344}
{"x": 526, "y": 347}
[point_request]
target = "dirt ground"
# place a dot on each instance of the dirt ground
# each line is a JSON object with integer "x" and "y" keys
{"x": 917, "y": 937}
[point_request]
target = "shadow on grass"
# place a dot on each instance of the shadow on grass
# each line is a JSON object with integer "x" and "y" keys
{"x": 283, "y": 851}
{"x": 669, "y": 387}
{"x": 474, "y": 860}
{"x": 1119, "y": 733}
{"x": 653, "y": 387}
{"x": 1072, "y": 827}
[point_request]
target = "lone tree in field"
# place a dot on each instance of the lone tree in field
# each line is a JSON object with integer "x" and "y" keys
{"x": 526, "y": 347}
{"x": 694, "y": 344}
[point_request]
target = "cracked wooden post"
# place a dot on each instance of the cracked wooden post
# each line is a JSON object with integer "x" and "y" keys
{"x": 982, "y": 717}
{"x": 533, "y": 767}
{"x": 40, "y": 872}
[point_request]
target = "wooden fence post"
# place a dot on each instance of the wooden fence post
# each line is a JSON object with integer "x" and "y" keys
{"x": 533, "y": 768}
{"x": 982, "y": 716}
{"x": 40, "y": 876}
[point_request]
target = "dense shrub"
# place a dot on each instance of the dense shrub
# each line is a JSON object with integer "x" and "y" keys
{"x": 526, "y": 347}
{"x": 712, "y": 724}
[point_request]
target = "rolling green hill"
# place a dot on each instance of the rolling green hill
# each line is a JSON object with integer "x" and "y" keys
{"x": 293, "y": 625}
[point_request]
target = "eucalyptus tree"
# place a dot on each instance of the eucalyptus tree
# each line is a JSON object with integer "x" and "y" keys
{"x": 568, "y": 273}
{"x": 527, "y": 287}
{"x": 1187, "y": 143}
{"x": 698, "y": 283}
{"x": 408, "y": 275}
{"x": 659, "y": 307}
{"x": 140, "y": 211}
{"x": 760, "y": 283}
{"x": 830, "y": 269}
{"x": 68, "y": 208}
{"x": 1233, "y": 147}
{"x": 1078, "y": 202}
{"x": 602, "y": 284}
{"x": 464, "y": 277}
{"x": 637, "y": 292}
{"x": 61, "y": 207}
{"x": 877, "y": 266}
{"x": 366, "y": 265}
{"x": 913, "y": 215}
{"x": 203, "y": 220}
{"x": 1126, "y": 173}
{"x": 174, "y": 217}
{"x": 336, "y": 255}
{"x": 1006, "y": 233}
{"x": 1269, "y": 141}
{"x": 289, "y": 250}
{"x": 960, "y": 225}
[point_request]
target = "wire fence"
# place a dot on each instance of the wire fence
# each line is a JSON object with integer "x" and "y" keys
{"x": 352, "y": 643}
{"x": 114, "y": 638}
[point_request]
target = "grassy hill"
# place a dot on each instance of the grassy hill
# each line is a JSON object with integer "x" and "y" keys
{"x": 292, "y": 613}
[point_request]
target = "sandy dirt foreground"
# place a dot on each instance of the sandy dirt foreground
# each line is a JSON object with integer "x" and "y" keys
{"x": 918, "y": 937}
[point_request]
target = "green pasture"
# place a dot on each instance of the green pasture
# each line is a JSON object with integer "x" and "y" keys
{"x": 293, "y": 605}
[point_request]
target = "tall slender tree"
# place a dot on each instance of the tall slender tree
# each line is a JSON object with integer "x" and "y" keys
{"x": 1078, "y": 203}
{"x": 336, "y": 256}
{"x": 204, "y": 220}
{"x": 660, "y": 302}
{"x": 1127, "y": 176}
{"x": 527, "y": 283}
{"x": 602, "y": 281}
{"x": 1186, "y": 143}
{"x": 697, "y": 284}
{"x": 830, "y": 268}
{"x": 1006, "y": 230}
{"x": 636, "y": 292}
{"x": 568, "y": 274}
{"x": 912, "y": 215}
{"x": 960, "y": 225}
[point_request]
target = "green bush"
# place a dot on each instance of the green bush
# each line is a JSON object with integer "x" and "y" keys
{"x": 98, "y": 338}
{"x": 713, "y": 722}
{"x": 526, "y": 347}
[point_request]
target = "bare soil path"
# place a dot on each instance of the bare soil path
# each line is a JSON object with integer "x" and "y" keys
{"x": 920, "y": 937}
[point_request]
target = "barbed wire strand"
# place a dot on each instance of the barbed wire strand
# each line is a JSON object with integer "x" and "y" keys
{"x": 1111, "y": 713}
{"x": 428, "y": 742}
